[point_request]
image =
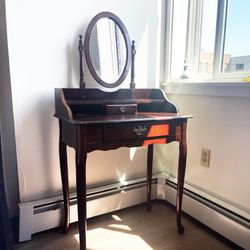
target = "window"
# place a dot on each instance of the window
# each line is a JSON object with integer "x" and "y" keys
{"x": 208, "y": 40}
{"x": 239, "y": 66}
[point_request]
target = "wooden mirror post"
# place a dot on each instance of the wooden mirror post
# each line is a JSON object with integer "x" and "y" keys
{"x": 81, "y": 69}
{"x": 133, "y": 52}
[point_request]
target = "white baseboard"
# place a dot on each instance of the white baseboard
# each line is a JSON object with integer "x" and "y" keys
{"x": 220, "y": 223}
{"x": 36, "y": 217}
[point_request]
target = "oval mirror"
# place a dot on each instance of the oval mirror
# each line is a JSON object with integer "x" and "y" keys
{"x": 107, "y": 49}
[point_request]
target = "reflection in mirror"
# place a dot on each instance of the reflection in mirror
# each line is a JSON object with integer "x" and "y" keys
{"x": 107, "y": 50}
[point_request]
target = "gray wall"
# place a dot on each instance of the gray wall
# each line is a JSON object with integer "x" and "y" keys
{"x": 6, "y": 120}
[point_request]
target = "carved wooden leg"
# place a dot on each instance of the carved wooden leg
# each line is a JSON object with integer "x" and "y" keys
{"x": 81, "y": 157}
{"x": 181, "y": 175}
{"x": 149, "y": 175}
{"x": 64, "y": 177}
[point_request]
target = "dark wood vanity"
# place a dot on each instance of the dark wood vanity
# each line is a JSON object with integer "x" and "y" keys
{"x": 91, "y": 119}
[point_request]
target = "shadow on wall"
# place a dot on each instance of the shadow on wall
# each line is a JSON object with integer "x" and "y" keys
{"x": 115, "y": 166}
{"x": 166, "y": 157}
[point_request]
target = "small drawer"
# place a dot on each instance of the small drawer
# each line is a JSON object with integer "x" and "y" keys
{"x": 120, "y": 108}
{"x": 136, "y": 130}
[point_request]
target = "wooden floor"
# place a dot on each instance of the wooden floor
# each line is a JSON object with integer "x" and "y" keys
{"x": 132, "y": 228}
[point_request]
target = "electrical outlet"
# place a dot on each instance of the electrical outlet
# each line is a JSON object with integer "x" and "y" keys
{"x": 205, "y": 157}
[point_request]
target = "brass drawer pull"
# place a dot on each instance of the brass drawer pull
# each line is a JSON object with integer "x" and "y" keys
{"x": 140, "y": 130}
{"x": 123, "y": 109}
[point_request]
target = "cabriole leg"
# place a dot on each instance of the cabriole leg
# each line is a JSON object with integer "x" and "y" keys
{"x": 149, "y": 175}
{"x": 181, "y": 175}
{"x": 64, "y": 178}
{"x": 81, "y": 157}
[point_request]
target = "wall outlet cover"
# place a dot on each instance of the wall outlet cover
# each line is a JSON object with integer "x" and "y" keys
{"x": 205, "y": 157}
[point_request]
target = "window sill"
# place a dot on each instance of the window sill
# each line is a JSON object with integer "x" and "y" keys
{"x": 231, "y": 89}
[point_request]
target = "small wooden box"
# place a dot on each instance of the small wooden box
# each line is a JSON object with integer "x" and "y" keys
{"x": 120, "y": 108}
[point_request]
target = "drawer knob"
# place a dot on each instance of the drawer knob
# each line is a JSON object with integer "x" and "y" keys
{"x": 140, "y": 130}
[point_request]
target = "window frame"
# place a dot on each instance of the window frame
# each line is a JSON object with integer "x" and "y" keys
{"x": 192, "y": 52}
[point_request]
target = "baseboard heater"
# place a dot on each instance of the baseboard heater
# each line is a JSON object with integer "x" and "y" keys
{"x": 45, "y": 214}
{"x": 220, "y": 219}
{"x": 41, "y": 215}
{"x": 220, "y": 209}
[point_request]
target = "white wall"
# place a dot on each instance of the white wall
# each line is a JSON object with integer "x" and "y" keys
{"x": 42, "y": 45}
{"x": 220, "y": 124}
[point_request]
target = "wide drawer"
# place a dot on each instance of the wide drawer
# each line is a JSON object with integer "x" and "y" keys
{"x": 95, "y": 134}
{"x": 135, "y": 130}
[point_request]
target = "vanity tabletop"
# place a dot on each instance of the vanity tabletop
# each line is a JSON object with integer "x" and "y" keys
{"x": 124, "y": 118}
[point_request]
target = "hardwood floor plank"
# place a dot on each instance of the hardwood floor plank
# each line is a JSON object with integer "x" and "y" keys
{"x": 134, "y": 229}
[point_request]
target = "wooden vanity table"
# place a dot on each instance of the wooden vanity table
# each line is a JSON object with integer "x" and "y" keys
{"x": 91, "y": 119}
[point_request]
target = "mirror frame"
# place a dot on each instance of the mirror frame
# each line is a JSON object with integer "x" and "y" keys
{"x": 125, "y": 34}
